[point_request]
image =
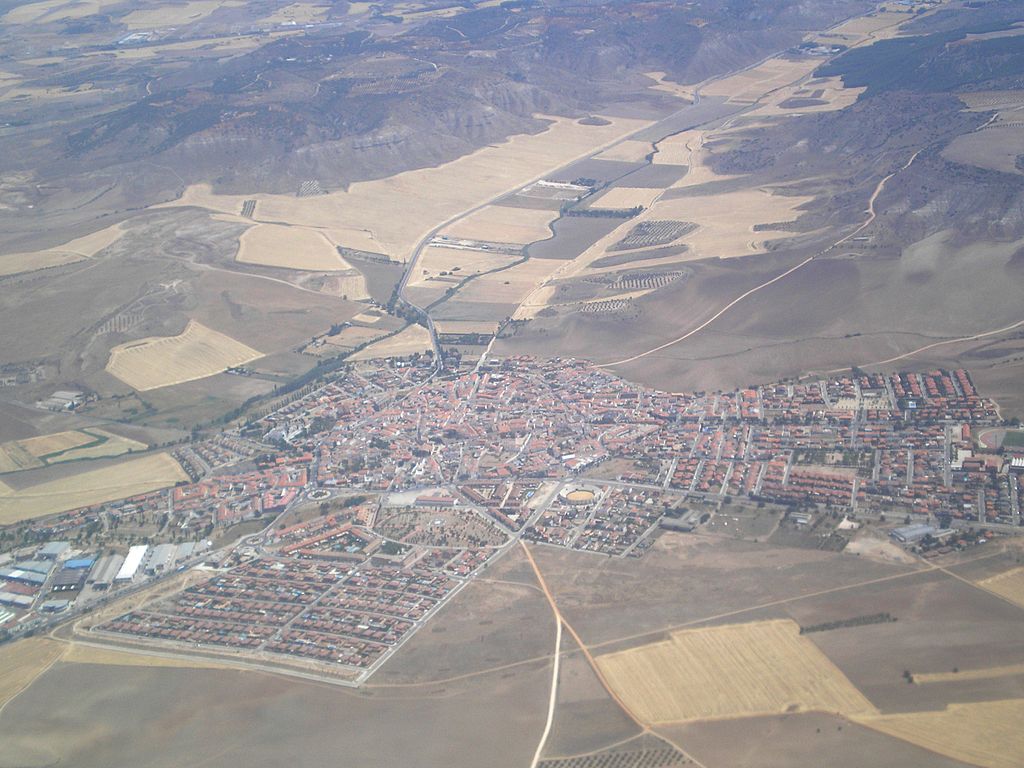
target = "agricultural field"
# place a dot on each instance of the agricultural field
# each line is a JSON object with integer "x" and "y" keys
{"x": 196, "y": 353}
{"x": 128, "y": 478}
{"x": 1009, "y": 585}
{"x": 510, "y": 285}
{"x": 735, "y": 670}
{"x": 92, "y": 443}
{"x": 79, "y": 249}
{"x": 629, "y": 151}
{"x": 460, "y": 263}
{"x": 981, "y": 733}
{"x": 354, "y": 218}
{"x": 167, "y": 14}
{"x": 409, "y": 341}
{"x": 626, "y": 197}
{"x": 273, "y": 245}
{"x": 749, "y": 86}
{"x": 503, "y": 224}
{"x": 22, "y": 662}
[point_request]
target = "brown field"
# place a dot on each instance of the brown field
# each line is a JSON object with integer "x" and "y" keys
{"x": 749, "y": 86}
{"x": 829, "y": 91}
{"x": 737, "y": 670}
{"x": 510, "y": 285}
{"x": 984, "y": 673}
{"x": 75, "y": 250}
{"x": 440, "y": 193}
{"x": 984, "y": 733}
{"x": 466, "y": 326}
{"x": 273, "y": 245}
{"x": 78, "y": 653}
{"x": 676, "y": 89}
{"x": 807, "y": 739}
{"x": 1009, "y": 585}
{"x": 626, "y": 197}
{"x": 129, "y": 478}
{"x": 413, "y": 339}
{"x": 160, "y": 361}
{"x": 349, "y": 338}
{"x": 629, "y": 151}
{"x": 29, "y": 453}
{"x": 22, "y": 662}
{"x": 501, "y": 224}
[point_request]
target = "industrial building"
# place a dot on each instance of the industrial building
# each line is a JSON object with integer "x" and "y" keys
{"x": 102, "y": 576}
{"x": 131, "y": 563}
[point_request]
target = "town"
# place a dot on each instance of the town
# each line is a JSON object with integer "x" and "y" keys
{"x": 321, "y": 535}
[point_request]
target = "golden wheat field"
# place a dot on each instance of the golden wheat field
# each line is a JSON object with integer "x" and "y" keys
{"x": 1009, "y": 584}
{"x": 160, "y": 361}
{"x": 985, "y": 733}
{"x": 129, "y": 478}
{"x": 983, "y": 673}
{"x": 738, "y": 670}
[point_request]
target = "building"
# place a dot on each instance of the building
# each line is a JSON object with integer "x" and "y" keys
{"x": 910, "y": 534}
{"x": 52, "y": 550}
{"x": 131, "y": 563}
{"x": 102, "y": 576}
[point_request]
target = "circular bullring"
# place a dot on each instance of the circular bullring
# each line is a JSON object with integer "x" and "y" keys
{"x": 578, "y": 496}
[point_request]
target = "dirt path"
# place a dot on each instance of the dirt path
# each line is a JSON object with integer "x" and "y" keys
{"x": 867, "y": 222}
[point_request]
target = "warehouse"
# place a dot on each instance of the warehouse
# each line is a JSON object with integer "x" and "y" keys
{"x": 69, "y": 580}
{"x": 131, "y": 563}
{"x": 161, "y": 559}
{"x": 106, "y": 569}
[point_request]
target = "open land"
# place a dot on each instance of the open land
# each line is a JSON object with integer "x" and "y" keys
{"x": 409, "y": 341}
{"x": 273, "y": 245}
{"x": 63, "y": 446}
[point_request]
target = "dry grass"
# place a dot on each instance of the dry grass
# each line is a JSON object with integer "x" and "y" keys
{"x": 676, "y": 89}
{"x": 51, "y": 10}
{"x": 129, "y": 478}
{"x": 169, "y": 15}
{"x": 985, "y": 733}
{"x": 22, "y": 662}
{"x": 1009, "y": 585}
{"x": 399, "y": 211}
{"x": 299, "y": 13}
{"x": 413, "y": 339}
{"x": 738, "y": 670}
{"x": 75, "y": 250}
{"x": 500, "y": 224}
{"x": 273, "y": 245}
{"x": 628, "y": 151}
{"x": 829, "y": 90}
{"x": 162, "y": 361}
{"x": 749, "y": 86}
{"x": 76, "y": 653}
{"x": 626, "y": 197}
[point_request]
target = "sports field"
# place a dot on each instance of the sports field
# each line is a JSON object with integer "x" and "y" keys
{"x": 129, "y": 478}
{"x": 160, "y": 361}
{"x": 984, "y": 733}
{"x": 738, "y": 670}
